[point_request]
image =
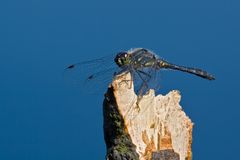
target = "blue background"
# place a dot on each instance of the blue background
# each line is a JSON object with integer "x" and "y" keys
{"x": 43, "y": 119}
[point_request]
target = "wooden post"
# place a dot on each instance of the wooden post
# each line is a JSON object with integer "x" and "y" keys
{"x": 155, "y": 129}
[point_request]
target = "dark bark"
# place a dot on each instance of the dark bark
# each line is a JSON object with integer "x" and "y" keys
{"x": 118, "y": 142}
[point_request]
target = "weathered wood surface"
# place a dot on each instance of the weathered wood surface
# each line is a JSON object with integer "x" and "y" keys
{"x": 155, "y": 128}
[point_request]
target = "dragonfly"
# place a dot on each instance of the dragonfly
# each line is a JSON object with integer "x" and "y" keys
{"x": 142, "y": 64}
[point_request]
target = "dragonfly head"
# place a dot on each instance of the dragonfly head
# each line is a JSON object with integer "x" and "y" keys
{"x": 122, "y": 59}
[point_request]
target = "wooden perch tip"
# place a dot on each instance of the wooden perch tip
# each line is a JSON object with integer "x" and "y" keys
{"x": 155, "y": 128}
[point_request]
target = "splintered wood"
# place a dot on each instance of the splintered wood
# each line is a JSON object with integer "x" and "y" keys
{"x": 155, "y": 123}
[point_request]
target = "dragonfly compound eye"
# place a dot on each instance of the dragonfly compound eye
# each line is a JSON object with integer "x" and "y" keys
{"x": 121, "y": 58}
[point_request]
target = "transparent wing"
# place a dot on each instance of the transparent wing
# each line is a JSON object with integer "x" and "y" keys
{"x": 91, "y": 76}
{"x": 156, "y": 78}
{"x": 145, "y": 79}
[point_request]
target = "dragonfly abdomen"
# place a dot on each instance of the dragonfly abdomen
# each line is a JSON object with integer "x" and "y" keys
{"x": 195, "y": 71}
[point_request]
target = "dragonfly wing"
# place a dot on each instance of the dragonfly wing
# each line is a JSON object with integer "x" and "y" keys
{"x": 147, "y": 78}
{"x": 91, "y": 76}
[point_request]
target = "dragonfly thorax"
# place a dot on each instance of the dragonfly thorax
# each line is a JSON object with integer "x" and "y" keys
{"x": 122, "y": 59}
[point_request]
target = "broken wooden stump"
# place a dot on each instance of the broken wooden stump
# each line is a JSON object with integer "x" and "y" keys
{"x": 155, "y": 129}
